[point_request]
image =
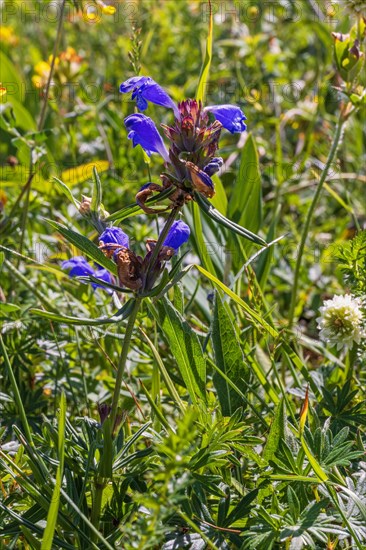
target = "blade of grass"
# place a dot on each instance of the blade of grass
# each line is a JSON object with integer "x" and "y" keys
{"x": 256, "y": 318}
{"x": 156, "y": 409}
{"x": 205, "y": 71}
{"x": 17, "y": 397}
{"x": 86, "y": 520}
{"x": 49, "y": 531}
{"x": 168, "y": 381}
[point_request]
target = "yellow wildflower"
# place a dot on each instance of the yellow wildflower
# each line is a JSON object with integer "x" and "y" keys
{"x": 7, "y": 36}
{"x": 106, "y": 9}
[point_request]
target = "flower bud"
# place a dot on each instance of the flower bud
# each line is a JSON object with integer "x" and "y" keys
{"x": 84, "y": 207}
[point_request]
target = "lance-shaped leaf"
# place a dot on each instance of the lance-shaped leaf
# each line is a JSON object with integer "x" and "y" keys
{"x": 222, "y": 220}
{"x": 186, "y": 348}
{"x": 229, "y": 358}
{"x": 205, "y": 71}
{"x": 104, "y": 284}
{"x": 97, "y": 192}
{"x": 85, "y": 245}
{"x": 121, "y": 315}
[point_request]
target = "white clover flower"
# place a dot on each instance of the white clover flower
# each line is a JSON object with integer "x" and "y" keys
{"x": 341, "y": 321}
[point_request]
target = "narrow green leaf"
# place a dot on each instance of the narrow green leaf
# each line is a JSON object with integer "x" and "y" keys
{"x": 164, "y": 373}
{"x": 205, "y": 71}
{"x": 97, "y": 192}
{"x": 245, "y": 205}
{"x": 186, "y": 348}
{"x": 55, "y": 501}
{"x": 85, "y": 245}
{"x": 156, "y": 409}
{"x": 235, "y": 388}
{"x": 121, "y": 315}
{"x": 255, "y": 317}
{"x": 229, "y": 358}
{"x": 318, "y": 470}
{"x": 199, "y": 238}
{"x": 16, "y": 393}
{"x": 30, "y": 538}
{"x": 87, "y": 522}
{"x": 66, "y": 191}
{"x": 29, "y": 284}
{"x": 265, "y": 260}
{"x": 260, "y": 373}
{"x": 219, "y": 201}
{"x": 229, "y": 224}
{"x": 292, "y": 357}
{"x": 293, "y": 478}
{"x": 104, "y": 284}
{"x": 20, "y": 520}
{"x": 276, "y": 433}
{"x": 242, "y": 509}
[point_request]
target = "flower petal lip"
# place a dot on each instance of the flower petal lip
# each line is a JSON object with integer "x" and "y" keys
{"x": 178, "y": 235}
{"x": 231, "y": 117}
{"x": 142, "y": 131}
{"x": 78, "y": 266}
{"x": 145, "y": 89}
{"x": 114, "y": 235}
{"x": 213, "y": 166}
{"x": 134, "y": 83}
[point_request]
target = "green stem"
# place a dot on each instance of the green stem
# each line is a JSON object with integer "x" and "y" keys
{"x": 163, "y": 235}
{"x": 305, "y": 231}
{"x": 17, "y": 398}
{"x": 122, "y": 362}
{"x": 97, "y": 504}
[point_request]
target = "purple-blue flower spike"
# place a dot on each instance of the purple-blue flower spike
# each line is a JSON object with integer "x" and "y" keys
{"x": 142, "y": 131}
{"x": 178, "y": 235}
{"x": 145, "y": 89}
{"x": 114, "y": 235}
{"x": 79, "y": 267}
{"x": 213, "y": 166}
{"x": 231, "y": 117}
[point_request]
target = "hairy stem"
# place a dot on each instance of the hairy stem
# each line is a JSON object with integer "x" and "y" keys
{"x": 336, "y": 142}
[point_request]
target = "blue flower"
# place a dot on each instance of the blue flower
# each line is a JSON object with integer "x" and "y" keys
{"x": 231, "y": 117}
{"x": 178, "y": 235}
{"x": 104, "y": 275}
{"x": 145, "y": 89}
{"x": 213, "y": 166}
{"x": 79, "y": 267}
{"x": 114, "y": 235}
{"x": 143, "y": 131}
